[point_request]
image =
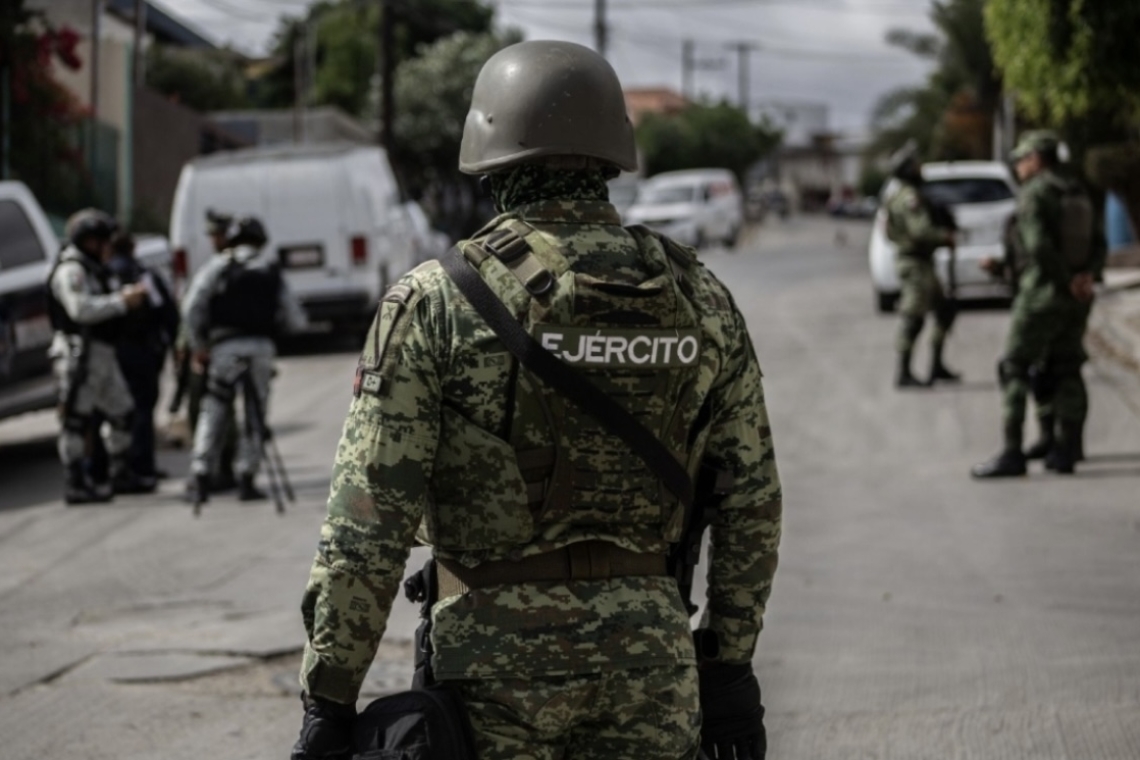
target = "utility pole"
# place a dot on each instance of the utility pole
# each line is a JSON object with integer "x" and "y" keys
{"x": 96, "y": 31}
{"x": 742, "y": 71}
{"x": 138, "y": 61}
{"x": 601, "y": 32}
{"x": 690, "y": 63}
{"x": 387, "y": 73}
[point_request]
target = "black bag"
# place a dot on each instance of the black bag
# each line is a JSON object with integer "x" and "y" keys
{"x": 421, "y": 724}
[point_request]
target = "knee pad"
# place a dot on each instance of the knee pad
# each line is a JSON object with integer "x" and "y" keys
{"x": 946, "y": 314}
{"x": 1008, "y": 371}
{"x": 912, "y": 326}
{"x": 1043, "y": 381}
{"x": 122, "y": 423}
{"x": 222, "y": 391}
{"x": 77, "y": 423}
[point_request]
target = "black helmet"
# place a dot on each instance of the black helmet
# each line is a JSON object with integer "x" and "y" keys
{"x": 217, "y": 223}
{"x": 247, "y": 231}
{"x": 90, "y": 222}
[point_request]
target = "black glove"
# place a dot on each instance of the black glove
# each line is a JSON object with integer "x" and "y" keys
{"x": 326, "y": 731}
{"x": 733, "y": 722}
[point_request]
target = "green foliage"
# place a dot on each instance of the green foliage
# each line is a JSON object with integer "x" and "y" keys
{"x": 702, "y": 136}
{"x": 963, "y": 84}
{"x": 871, "y": 181}
{"x": 205, "y": 80}
{"x": 1068, "y": 58}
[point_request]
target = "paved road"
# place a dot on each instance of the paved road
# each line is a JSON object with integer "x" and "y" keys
{"x": 916, "y": 614}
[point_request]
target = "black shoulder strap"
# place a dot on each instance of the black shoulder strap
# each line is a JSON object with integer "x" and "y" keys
{"x": 566, "y": 380}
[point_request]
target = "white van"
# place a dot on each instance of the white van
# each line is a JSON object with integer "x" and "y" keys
{"x": 693, "y": 206}
{"x": 332, "y": 212}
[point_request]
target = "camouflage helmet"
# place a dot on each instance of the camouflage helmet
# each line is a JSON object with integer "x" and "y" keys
{"x": 904, "y": 158}
{"x": 90, "y": 222}
{"x": 247, "y": 231}
{"x": 1036, "y": 141}
{"x": 546, "y": 98}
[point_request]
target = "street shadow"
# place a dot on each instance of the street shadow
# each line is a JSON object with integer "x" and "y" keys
{"x": 31, "y": 473}
{"x": 1114, "y": 457}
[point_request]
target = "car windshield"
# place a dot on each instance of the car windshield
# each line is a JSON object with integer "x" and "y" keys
{"x": 953, "y": 192}
{"x": 622, "y": 194}
{"x": 667, "y": 194}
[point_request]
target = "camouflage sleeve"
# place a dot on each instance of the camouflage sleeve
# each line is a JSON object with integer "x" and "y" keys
{"x": 915, "y": 224}
{"x": 745, "y": 531}
{"x": 378, "y": 492}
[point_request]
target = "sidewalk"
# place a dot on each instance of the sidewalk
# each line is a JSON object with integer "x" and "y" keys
{"x": 1113, "y": 338}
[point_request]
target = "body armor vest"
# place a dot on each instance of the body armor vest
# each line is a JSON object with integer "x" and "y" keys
{"x": 640, "y": 343}
{"x": 244, "y": 303}
{"x": 1076, "y": 228}
{"x": 107, "y": 331}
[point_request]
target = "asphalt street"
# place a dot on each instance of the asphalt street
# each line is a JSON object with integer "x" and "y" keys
{"x": 916, "y": 613}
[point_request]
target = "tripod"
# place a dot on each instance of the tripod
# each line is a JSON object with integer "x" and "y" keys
{"x": 255, "y": 422}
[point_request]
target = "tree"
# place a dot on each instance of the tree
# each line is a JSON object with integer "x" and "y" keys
{"x": 205, "y": 80}
{"x": 1067, "y": 59}
{"x": 704, "y": 135}
{"x": 433, "y": 91}
{"x": 951, "y": 116}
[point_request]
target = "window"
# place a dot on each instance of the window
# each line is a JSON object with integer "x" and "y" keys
{"x": 19, "y": 244}
{"x": 669, "y": 194}
{"x": 952, "y": 192}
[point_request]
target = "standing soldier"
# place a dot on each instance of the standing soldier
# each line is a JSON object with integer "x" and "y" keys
{"x": 85, "y": 313}
{"x": 555, "y": 619}
{"x": 234, "y": 309}
{"x": 1056, "y": 232}
{"x": 910, "y": 226}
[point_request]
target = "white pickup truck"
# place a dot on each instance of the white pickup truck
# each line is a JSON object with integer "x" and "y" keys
{"x": 28, "y": 248}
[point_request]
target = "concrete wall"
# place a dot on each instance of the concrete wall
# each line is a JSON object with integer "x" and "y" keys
{"x": 166, "y": 136}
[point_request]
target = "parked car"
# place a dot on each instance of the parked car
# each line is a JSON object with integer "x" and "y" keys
{"x": 27, "y": 248}
{"x": 695, "y": 206}
{"x": 623, "y": 191}
{"x": 981, "y": 196}
{"x": 333, "y": 213}
{"x": 428, "y": 242}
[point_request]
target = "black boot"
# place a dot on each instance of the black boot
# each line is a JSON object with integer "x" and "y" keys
{"x": 78, "y": 490}
{"x": 904, "y": 378}
{"x": 1062, "y": 458}
{"x": 938, "y": 370}
{"x": 1044, "y": 444}
{"x": 247, "y": 491}
{"x": 1009, "y": 463}
{"x": 126, "y": 480}
{"x": 197, "y": 492}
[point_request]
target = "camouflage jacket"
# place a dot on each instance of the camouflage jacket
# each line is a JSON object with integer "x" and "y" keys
{"x": 444, "y": 360}
{"x": 910, "y": 226}
{"x": 1047, "y": 273}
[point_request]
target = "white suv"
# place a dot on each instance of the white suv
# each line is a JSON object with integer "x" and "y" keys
{"x": 694, "y": 206}
{"x": 981, "y": 195}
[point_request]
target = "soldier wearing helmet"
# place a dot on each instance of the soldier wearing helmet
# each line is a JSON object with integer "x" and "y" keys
{"x": 913, "y": 226}
{"x": 84, "y": 311}
{"x": 550, "y": 611}
{"x": 1063, "y": 254}
{"x": 235, "y": 308}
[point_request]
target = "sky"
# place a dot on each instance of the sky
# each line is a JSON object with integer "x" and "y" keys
{"x": 828, "y": 52}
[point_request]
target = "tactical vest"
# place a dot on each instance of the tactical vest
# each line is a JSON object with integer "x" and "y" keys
{"x": 640, "y": 343}
{"x": 1076, "y": 227}
{"x": 244, "y": 302}
{"x": 107, "y": 331}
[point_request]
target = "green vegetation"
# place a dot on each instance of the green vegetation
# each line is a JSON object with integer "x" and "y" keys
{"x": 701, "y": 136}
{"x": 205, "y": 80}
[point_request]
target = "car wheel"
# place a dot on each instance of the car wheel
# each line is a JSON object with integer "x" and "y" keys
{"x": 886, "y": 301}
{"x": 733, "y": 238}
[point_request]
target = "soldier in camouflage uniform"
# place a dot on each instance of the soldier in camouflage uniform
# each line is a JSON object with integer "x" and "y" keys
{"x": 555, "y": 620}
{"x": 1056, "y": 232}
{"x": 85, "y": 312}
{"x": 910, "y": 227}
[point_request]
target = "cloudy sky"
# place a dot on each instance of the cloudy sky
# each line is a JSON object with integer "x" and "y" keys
{"x": 806, "y": 51}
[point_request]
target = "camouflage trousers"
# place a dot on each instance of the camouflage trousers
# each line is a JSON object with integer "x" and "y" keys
{"x": 224, "y": 384}
{"x": 1049, "y": 376}
{"x": 920, "y": 294}
{"x": 637, "y": 714}
{"x": 1052, "y": 337}
{"x": 100, "y": 387}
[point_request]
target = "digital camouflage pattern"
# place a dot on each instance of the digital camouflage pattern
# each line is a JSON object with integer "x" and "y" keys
{"x": 533, "y": 182}
{"x": 911, "y": 228}
{"x": 433, "y": 446}
{"x": 648, "y": 713}
{"x": 1048, "y": 322}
